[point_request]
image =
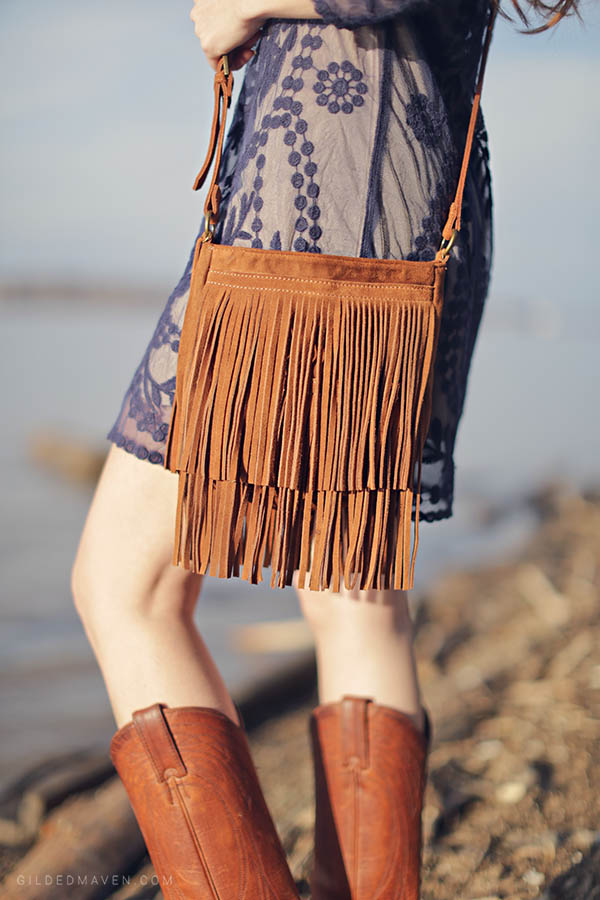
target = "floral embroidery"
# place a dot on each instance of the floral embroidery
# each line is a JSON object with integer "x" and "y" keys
{"x": 285, "y": 117}
{"x": 335, "y": 89}
{"x": 427, "y": 242}
{"x": 424, "y": 120}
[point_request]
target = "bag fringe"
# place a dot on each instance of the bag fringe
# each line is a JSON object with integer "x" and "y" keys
{"x": 304, "y": 422}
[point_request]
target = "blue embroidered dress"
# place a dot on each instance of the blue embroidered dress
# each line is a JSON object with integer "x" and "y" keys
{"x": 347, "y": 138}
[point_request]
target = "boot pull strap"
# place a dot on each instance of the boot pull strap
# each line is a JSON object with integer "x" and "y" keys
{"x": 158, "y": 742}
{"x": 452, "y": 226}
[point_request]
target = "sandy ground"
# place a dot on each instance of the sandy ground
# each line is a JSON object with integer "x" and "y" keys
{"x": 509, "y": 663}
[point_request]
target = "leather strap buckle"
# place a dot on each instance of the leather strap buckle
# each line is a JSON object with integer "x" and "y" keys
{"x": 447, "y": 244}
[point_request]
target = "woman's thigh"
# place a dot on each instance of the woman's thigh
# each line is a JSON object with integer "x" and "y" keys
{"x": 126, "y": 545}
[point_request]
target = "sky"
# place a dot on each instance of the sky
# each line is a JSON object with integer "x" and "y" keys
{"x": 105, "y": 112}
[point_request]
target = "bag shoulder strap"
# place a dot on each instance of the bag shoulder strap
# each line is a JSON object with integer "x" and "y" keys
{"x": 452, "y": 226}
{"x": 223, "y": 89}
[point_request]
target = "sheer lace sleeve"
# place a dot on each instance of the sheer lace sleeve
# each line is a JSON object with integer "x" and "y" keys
{"x": 353, "y": 13}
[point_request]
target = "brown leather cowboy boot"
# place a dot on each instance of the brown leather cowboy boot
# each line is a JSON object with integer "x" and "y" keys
{"x": 370, "y": 767}
{"x": 196, "y": 796}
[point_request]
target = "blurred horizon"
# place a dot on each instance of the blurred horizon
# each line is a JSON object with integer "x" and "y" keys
{"x": 106, "y": 123}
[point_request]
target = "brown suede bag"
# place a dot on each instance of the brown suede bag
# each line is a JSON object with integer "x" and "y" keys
{"x": 303, "y": 400}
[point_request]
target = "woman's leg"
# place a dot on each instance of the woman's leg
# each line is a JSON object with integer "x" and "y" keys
{"x": 369, "y": 739}
{"x": 364, "y": 646}
{"x": 137, "y": 607}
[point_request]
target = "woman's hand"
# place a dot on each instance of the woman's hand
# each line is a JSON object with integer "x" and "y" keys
{"x": 222, "y": 27}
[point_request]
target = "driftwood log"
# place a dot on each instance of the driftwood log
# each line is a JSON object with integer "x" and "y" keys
{"x": 84, "y": 846}
{"x": 24, "y": 804}
{"x": 273, "y": 637}
{"x": 71, "y": 457}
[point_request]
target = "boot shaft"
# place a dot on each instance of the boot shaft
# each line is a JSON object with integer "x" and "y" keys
{"x": 370, "y": 766}
{"x": 194, "y": 790}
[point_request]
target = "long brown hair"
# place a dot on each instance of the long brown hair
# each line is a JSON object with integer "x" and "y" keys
{"x": 551, "y": 12}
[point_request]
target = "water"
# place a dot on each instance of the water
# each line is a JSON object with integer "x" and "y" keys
{"x": 529, "y": 416}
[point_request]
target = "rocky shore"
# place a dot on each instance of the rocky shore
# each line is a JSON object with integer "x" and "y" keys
{"x": 509, "y": 662}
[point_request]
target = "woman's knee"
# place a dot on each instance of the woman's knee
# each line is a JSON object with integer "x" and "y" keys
{"x": 330, "y": 610}
{"x": 123, "y": 562}
{"x": 105, "y": 592}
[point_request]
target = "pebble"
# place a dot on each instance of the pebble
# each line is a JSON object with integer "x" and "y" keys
{"x": 488, "y": 749}
{"x": 468, "y": 677}
{"x": 570, "y": 656}
{"x": 525, "y": 845}
{"x": 533, "y": 877}
{"x": 514, "y": 790}
{"x": 583, "y": 838}
{"x": 511, "y": 792}
{"x": 550, "y": 605}
{"x": 489, "y": 897}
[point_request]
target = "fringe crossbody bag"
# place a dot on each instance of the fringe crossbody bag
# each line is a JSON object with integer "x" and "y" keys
{"x": 303, "y": 400}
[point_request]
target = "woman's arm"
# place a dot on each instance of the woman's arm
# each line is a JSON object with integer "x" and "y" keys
{"x": 233, "y": 26}
{"x": 280, "y": 9}
{"x": 343, "y": 13}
